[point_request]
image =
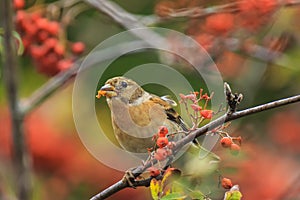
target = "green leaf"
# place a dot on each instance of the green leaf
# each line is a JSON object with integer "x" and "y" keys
{"x": 20, "y": 50}
{"x": 16, "y": 35}
{"x": 173, "y": 196}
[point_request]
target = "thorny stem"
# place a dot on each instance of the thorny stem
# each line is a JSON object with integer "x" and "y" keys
{"x": 194, "y": 134}
{"x": 20, "y": 155}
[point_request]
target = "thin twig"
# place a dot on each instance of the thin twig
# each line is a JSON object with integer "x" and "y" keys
{"x": 20, "y": 153}
{"x": 198, "y": 132}
{"x": 200, "y": 12}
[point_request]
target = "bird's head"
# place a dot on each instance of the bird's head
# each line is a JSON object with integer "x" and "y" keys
{"x": 120, "y": 87}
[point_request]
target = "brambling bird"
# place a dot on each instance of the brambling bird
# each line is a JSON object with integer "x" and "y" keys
{"x": 137, "y": 115}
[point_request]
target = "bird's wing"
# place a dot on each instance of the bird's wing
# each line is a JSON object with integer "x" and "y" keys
{"x": 170, "y": 112}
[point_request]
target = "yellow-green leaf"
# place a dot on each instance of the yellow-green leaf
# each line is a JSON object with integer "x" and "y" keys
{"x": 155, "y": 188}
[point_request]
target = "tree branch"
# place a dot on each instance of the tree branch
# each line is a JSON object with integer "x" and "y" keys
{"x": 126, "y": 20}
{"x": 20, "y": 154}
{"x": 198, "y": 132}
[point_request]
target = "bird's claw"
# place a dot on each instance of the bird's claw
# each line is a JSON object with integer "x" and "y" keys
{"x": 129, "y": 178}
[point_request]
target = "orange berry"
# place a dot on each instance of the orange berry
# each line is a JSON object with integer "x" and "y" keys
{"x": 207, "y": 114}
{"x": 226, "y": 142}
{"x": 162, "y": 142}
{"x": 226, "y": 183}
{"x": 235, "y": 149}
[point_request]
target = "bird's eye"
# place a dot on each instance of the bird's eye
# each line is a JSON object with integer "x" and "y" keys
{"x": 124, "y": 84}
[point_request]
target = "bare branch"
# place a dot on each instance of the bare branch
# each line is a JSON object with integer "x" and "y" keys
{"x": 126, "y": 20}
{"x": 198, "y": 132}
{"x": 20, "y": 153}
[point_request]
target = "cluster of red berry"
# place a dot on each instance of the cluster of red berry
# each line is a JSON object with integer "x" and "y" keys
{"x": 164, "y": 145}
{"x": 234, "y": 143}
{"x": 195, "y": 98}
{"x": 44, "y": 41}
{"x": 250, "y": 15}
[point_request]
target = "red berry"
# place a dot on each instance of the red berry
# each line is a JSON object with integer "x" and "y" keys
{"x": 220, "y": 23}
{"x": 78, "y": 48}
{"x": 207, "y": 114}
{"x": 160, "y": 154}
{"x": 35, "y": 16}
{"x": 51, "y": 42}
{"x": 235, "y": 149}
{"x": 38, "y": 51}
{"x": 226, "y": 183}
{"x": 205, "y": 96}
{"x": 30, "y": 29}
{"x": 163, "y": 131}
{"x": 196, "y": 107}
{"x": 42, "y": 23}
{"x": 42, "y": 35}
{"x": 53, "y": 28}
{"x": 19, "y": 4}
{"x": 226, "y": 142}
{"x": 21, "y": 16}
{"x": 59, "y": 49}
{"x": 64, "y": 64}
{"x": 26, "y": 42}
{"x": 153, "y": 171}
{"x": 162, "y": 142}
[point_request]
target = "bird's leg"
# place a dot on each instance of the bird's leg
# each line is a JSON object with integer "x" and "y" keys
{"x": 129, "y": 178}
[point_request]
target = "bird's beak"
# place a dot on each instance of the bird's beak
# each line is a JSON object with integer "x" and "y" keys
{"x": 107, "y": 87}
{"x": 107, "y": 90}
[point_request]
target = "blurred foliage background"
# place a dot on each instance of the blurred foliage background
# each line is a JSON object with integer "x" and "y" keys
{"x": 268, "y": 165}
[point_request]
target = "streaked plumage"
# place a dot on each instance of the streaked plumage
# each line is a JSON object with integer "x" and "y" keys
{"x": 137, "y": 115}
